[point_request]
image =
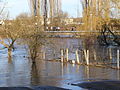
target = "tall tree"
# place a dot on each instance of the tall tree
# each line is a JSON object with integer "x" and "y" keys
{"x": 95, "y": 13}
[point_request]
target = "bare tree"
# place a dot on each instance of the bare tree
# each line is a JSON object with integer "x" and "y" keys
{"x": 33, "y": 35}
{"x": 59, "y": 20}
{"x": 10, "y": 32}
{"x": 95, "y": 13}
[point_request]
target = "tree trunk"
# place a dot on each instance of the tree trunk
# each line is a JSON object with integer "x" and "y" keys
{"x": 9, "y": 54}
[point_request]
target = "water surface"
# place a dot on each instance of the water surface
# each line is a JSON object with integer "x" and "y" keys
{"x": 20, "y": 72}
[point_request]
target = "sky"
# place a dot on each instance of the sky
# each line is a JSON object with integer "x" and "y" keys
{"x": 15, "y": 7}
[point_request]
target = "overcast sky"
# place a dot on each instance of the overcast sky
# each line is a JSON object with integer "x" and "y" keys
{"x": 16, "y": 7}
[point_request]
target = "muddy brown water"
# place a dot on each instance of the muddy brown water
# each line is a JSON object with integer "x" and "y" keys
{"x": 20, "y": 72}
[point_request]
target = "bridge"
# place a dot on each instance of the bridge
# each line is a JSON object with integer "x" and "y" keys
{"x": 71, "y": 33}
{"x": 75, "y": 33}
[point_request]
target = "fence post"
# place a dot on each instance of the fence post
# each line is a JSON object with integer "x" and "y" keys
{"x": 67, "y": 55}
{"x": 118, "y": 59}
{"x": 77, "y": 57}
{"x": 73, "y": 61}
{"x": 95, "y": 57}
{"x": 62, "y": 57}
{"x": 86, "y": 56}
{"x": 110, "y": 53}
{"x": 44, "y": 55}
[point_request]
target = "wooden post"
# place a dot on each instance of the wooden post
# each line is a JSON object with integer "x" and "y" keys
{"x": 118, "y": 59}
{"x": 95, "y": 57}
{"x": 43, "y": 55}
{"x": 85, "y": 53}
{"x": 86, "y": 56}
{"x": 77, "y": 57}
{"x": 62, "y": 57}
{"x": 110, "y": 53}
{"x": 54, "y": 54}
{"x": 67, "y": 58}
{"x": 73, "y": 61}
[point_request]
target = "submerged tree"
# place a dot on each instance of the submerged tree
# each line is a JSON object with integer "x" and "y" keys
{"x": 33, "y": 35}
{"x": 10, "y": 32}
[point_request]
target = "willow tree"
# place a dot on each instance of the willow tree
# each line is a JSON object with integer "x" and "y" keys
{"x": 95, "y": 13}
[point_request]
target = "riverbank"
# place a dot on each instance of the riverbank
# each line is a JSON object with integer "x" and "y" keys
{"x": 33, "y": 88}
{"x": 100, "y": 85}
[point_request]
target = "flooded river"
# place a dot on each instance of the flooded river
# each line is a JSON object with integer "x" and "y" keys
{"x": 20, "y": 72}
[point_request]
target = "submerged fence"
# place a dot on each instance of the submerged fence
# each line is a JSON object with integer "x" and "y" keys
{"x": 90, "y": 58}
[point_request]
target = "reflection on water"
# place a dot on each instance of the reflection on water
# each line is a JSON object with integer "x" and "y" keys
{"x": 97, "y": 54}
{"x": 20, "y": 72}
{"x": 15, "y": 73}
{"x": 57, "y": 74}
